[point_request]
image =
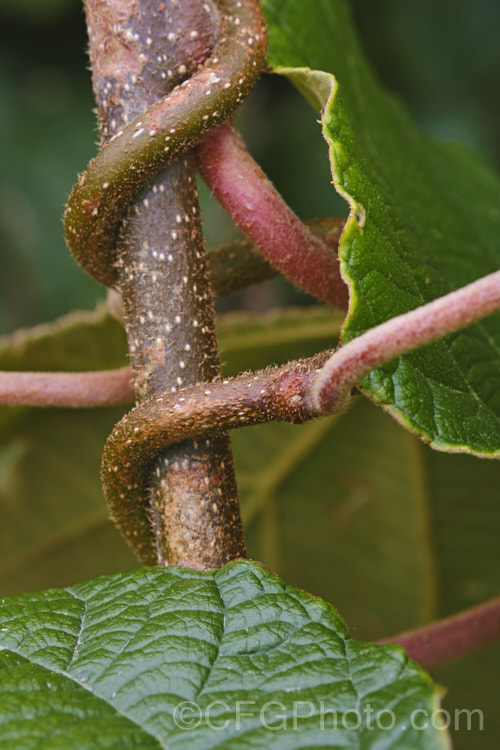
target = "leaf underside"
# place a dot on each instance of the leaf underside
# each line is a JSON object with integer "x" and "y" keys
{"x": 424, "y": 221}
{"x": 111, "y": 662}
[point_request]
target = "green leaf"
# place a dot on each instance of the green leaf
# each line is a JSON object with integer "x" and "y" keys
{"x": 401, "y": 517}
{"x": 339, "y": 507}
{"x": 362, "y": 513}
{"x": 257, "y": 341}
{"x": 55, "y": 526}
{"x": 424, "y": 220}
{"x": 78, "y": 341}
{"x": 234, "y": 654}
{"x": 396, "y": 538}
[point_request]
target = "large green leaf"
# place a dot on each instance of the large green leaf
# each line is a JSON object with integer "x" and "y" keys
{"x": 405, "y": 510}
{"x": 55, "y": 525}
{"x": 398, "y": 523}
{"x": 424, "y": 220}
{"x": 179, "y": 659}
{"x": 359, "y": 511}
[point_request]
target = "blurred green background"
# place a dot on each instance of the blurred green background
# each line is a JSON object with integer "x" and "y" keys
{"x": 442, "y": 58}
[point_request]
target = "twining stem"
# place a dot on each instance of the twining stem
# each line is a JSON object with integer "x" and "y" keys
{"x": 235, "y": 266}
{"x": 160, "y": 266}
{"x": 452, "y": 638}
{"x": 170, "y": 324}
{"x": 255, "y": 205}
{"x": 147, "y": 143}
{"x": 238, "y": 264}
{"x": 288, "y": 393}
{"x": 193, "y": 413}
{"x": 400, "y": 335}
{"x": 292, "y": 393}
{"x": 478, "y": 299}
{"x": 231, "y": 267}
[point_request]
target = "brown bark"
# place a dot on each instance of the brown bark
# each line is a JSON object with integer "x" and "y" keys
{"x": 141, "y": 49}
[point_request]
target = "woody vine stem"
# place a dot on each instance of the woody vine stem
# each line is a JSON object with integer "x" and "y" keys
{"x": 133, "y": 222}
{"x": 164, "y": 75}
{"x": 156, "y": 256}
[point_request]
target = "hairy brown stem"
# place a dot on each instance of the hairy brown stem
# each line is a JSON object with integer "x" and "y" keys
{"x": 194, "y": 413}
{"x": 255, "y": 205}
{"x": 347, "y": 364}
{"x": 167, "y": 129}
{"x": 231, "y": 267}
{"x": 238, "y": 264}
{"x": 452, "y": 638}
{"x": 164, "y": 283}
{"x": 170, "y": 324}
{"x": 292, "y": 393}
{"x": 287, "y": 393}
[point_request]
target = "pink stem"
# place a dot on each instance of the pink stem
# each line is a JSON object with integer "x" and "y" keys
{"x": 332, "y": 384}
{"x": 452, "y": 638}
{"x": 243, "y": 189}
{"x": 331, "y": 388}
{"x": 67, "y": 389}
